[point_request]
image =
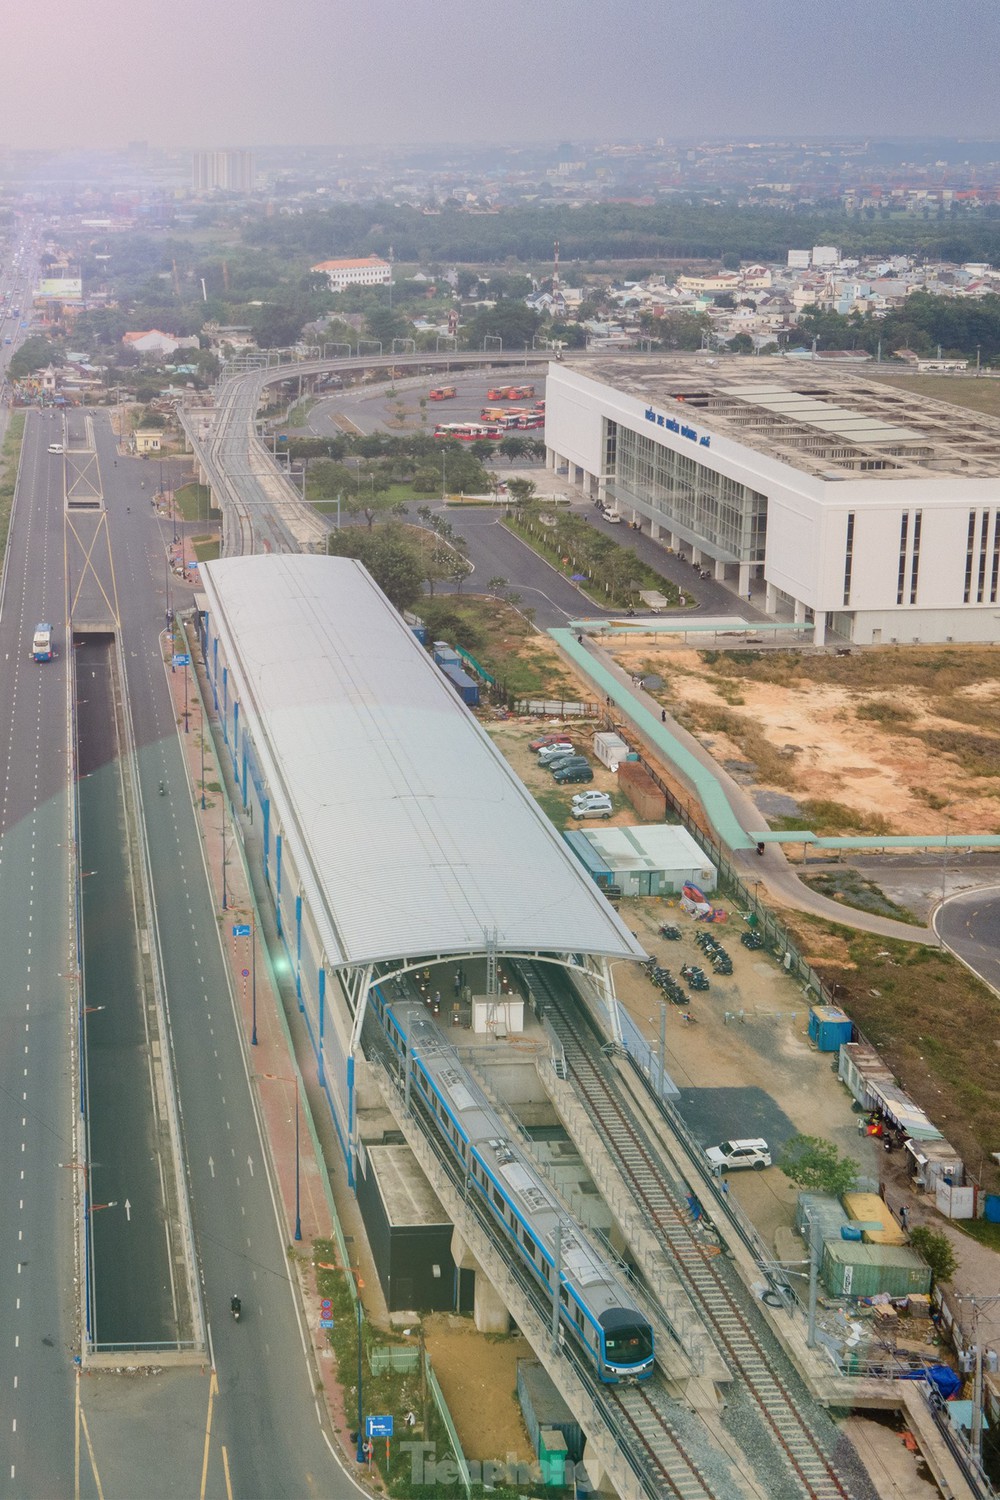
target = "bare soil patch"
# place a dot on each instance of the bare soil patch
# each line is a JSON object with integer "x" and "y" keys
{"x": 478, "y": 1375}
{"x": 880, "y": 742}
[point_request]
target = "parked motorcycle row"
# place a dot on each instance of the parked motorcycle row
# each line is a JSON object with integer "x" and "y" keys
{"x": 714, "y": 952}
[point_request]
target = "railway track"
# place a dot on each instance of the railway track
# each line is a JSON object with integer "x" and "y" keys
{"x": 812, "y": 1474}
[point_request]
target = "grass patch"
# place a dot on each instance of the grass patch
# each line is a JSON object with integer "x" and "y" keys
{"x": 829, "y": 819}
{"x": 193, "y": 501}
{"x": 935, "y": 1024}
{"x": 977, "y": 754}
{"x": 613, "y": 574}
{"x": 852, "y": 889}
{"x": 9, "y": 457}
{"x": 938, "y": 671}
{"x": 525, "y": 664}
{"x": 389, "y": 1392}
{"x": 771, "y": 765}
{"x": 981, "y": 1230}
{"x": 885, "y": 711}
{"x": 206, "y": 548}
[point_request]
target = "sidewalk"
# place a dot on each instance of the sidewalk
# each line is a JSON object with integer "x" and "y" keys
{"x": 281, "y": 1063}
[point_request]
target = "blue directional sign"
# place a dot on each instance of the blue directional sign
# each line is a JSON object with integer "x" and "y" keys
{"x": 282, "y": 437}
{"x": 378, "y": 1426}
{"x": 241, "y": 929}
{"x": 181, "y": 659}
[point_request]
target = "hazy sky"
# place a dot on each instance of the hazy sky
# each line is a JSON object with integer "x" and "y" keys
{"x": 246, "y": 72}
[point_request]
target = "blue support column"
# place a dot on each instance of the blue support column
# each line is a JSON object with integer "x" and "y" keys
{"x": 225, "y": 706}
{"x": 236, "y": 731}
{"x": 267, "y": 840}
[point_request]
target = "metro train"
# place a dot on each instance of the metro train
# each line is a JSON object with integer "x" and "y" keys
{"x": 596, "y": 1310}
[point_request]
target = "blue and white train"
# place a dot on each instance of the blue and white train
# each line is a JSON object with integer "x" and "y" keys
{"x": 596, "y": 1309}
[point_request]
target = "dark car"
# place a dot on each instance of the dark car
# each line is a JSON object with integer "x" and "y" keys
{"x": 574, "y": 773}
{"x": 566, "y": 760}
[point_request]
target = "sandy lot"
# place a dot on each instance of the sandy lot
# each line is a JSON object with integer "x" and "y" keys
{"x": 479, "y": 1379}
{"x": 827, "y": 751}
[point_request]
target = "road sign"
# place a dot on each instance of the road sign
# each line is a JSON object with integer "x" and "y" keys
{"x": 241, "y": 929}
{"x": 245, "y": 973}
{"x": 378, "y": 1426}
{"x": 181, "y": 659}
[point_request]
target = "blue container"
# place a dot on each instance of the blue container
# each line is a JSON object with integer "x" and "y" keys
{"x": 991, "y": 1211}
{"x": 829, "y": 1027}
{"x": 463, "y": 684}
{"x": 445, "y": 653}
{"x": 851, "y": 1232}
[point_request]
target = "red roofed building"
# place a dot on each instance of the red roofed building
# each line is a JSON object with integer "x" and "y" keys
{"x": 371, "y": 270}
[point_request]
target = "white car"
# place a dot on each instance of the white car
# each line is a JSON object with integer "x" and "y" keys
{"x": 55, "y": 447}
{"x": 591, "y": 805}
{"x": 752, "y": 1152}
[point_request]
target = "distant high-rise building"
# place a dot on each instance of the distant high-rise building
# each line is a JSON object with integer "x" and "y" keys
{"x": 225, "y": 171}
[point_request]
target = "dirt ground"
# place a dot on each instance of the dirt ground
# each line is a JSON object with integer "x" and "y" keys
{"x": 479, "y": 1379}
{"x": 827, "y": 751}
{"x": 749, "y": 1034}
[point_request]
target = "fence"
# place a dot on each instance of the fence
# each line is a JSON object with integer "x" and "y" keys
{"x": 550, "y": 708}
{"x": 402, "y": 1359}
{"x": 437, "y": 1396}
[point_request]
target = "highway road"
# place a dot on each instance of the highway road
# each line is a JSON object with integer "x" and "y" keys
{"x": 252, "y": 1428}
{"x": 969, "y": 924}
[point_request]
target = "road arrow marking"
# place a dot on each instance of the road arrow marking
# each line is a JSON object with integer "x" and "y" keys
{"x": 250, "y": 1164}
{"x": 128, "y": 1210}
{"x": 211, "y": 1166}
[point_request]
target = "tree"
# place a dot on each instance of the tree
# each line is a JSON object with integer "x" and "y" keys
{"x": 34, "y": 354}
{"x": 741, "y": 344}
{"x": 522, "y": 491}
{"x": 817, "y": 1165}
{"x": 936, "y": 1250}
{"x": 390, "y": 558}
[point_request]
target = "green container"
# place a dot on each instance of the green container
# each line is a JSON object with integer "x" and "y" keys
{"x": 552, "y": 1456}
{"x": 851, "y": 1269}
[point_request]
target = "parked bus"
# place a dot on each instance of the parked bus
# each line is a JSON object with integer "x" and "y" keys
{"x": 510, "y": 393}
{"x": 41, "y": 645}
{"x": 443, "y": 393}
{"x": 467, "y": 432}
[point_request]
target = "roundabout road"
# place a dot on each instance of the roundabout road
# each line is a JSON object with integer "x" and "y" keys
{"x": 969, "y": 924}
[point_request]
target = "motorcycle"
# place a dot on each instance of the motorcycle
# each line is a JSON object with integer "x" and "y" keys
{"x": 235, "y": 1307}
{"x": 163, "y": 790}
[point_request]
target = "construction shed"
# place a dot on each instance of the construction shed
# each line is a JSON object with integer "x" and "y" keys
{"x": 408, "y": 1231}
{"x": 658, "y": 860}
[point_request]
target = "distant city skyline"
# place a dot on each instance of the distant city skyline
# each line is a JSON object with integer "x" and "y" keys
{"x": 245, "y": 73}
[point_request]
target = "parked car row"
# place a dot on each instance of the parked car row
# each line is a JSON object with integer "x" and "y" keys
{"x": 566, "y": 765}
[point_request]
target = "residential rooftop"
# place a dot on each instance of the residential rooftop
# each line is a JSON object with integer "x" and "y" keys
{"x": 828, "y": 423}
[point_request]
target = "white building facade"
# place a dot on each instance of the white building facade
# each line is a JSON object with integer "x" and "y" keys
{"x": 855, "y": 508}
{"x": 370, "y": 270}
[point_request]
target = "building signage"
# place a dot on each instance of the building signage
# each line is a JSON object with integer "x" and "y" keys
{"x": 672, "y": 425}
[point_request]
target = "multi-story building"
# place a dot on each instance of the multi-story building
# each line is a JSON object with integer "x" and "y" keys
{"x": 371, "y": 270}
{"x": 853, "y": 506}
{"x": 223, "y": 171}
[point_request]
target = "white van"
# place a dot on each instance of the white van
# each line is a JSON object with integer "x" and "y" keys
{"x": 55, "y": 447}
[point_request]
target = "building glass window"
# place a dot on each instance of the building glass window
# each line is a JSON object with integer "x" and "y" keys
{"x": 915, "y": 557}
{"x": 970, "y": 547}
{"x": 904, "y": 528}
{"x": 849, "y": 557}
{"x": 679, "y": 492}
{"x": 984, "y": 537}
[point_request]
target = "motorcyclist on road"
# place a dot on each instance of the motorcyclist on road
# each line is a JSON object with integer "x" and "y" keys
{"x": 235, "y": 1306}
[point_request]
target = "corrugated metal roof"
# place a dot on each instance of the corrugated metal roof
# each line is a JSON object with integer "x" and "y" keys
{"x": 410, "y": 831}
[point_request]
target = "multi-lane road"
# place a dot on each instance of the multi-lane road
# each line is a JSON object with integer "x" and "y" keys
{"x": 248, "y": 1423}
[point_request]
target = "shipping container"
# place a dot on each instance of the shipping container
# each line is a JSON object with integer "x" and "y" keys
{"x": 868, "y": 1208}
{"x": 542, "y": 1406}
{"x": 853, "y": 1270}
{"x": 610, "y": 749}
{"x": 463, "y": 684}
{"x": 445, "y": 653}
{"x": 829, "y": 1027}
{"x": 643, "y": 793}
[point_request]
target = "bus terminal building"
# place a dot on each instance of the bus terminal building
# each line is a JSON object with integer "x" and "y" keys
{"x": 856, "y": 507}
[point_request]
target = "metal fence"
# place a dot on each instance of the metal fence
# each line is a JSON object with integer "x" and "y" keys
{"x": 437, "y": 1396}
{"x": 402, "y": 1359}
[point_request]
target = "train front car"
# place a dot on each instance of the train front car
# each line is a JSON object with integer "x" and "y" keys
{"x": 626, "y": 1345}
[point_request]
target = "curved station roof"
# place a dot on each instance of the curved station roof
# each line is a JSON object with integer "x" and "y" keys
{"x": 410, "y": 831}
